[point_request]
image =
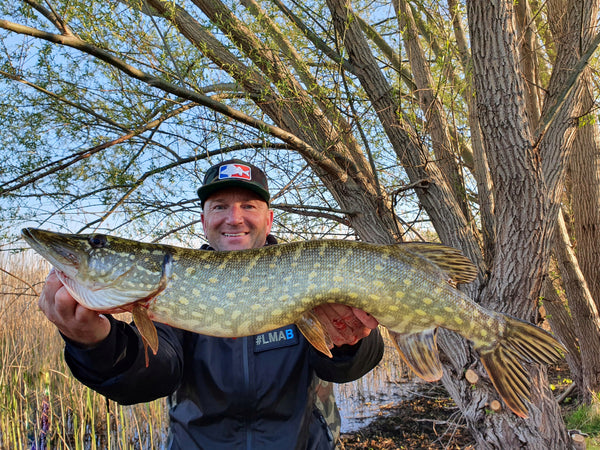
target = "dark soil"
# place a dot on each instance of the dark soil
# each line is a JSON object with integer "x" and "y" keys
{"x": 429, "y": 421}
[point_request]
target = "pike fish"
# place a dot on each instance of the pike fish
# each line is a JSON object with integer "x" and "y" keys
{"x": 410, "y": 288}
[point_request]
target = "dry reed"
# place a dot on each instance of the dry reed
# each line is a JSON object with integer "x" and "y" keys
{"x": 41, "y": 404}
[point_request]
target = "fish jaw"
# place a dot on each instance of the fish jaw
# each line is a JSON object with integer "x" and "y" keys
{"x": 64, "y": 255}
{"x": 99, "y": 271}
{"x": 101, "y": 298}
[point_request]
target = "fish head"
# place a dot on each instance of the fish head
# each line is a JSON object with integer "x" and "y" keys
{"x": 103, "y": 273}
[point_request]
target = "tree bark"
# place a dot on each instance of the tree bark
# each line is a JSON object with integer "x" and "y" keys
{"x": 583, "y": 310}
{"x": 585, "y": 191}
{"x": 521, "y": 250}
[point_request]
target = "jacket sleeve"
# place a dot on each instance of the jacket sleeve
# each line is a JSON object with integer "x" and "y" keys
{"x": 349, "y": 362}
{"x": 116, "y": 367}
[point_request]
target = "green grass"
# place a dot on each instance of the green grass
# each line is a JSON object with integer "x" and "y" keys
{"x": 586, "y": 419}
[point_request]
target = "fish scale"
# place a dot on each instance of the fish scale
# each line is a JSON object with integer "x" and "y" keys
{"x": 409, "y": 288}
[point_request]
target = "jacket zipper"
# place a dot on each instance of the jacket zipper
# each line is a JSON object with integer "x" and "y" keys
{"x": 246, "y": 364}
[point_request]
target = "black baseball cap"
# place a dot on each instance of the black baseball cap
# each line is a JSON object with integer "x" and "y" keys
{"x": 234, "y": 173}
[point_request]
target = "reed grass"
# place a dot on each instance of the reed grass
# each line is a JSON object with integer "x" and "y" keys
{"x": 43, "y": 407}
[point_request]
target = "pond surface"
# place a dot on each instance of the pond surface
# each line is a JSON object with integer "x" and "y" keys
{"x": 362, "y": 400}
{"x": 359, "y": 406}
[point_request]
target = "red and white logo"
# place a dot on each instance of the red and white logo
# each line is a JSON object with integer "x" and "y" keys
{"x": 235, "y": 171}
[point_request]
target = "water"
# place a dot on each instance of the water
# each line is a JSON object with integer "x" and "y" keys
{"x": 359, "y": 406}
{"x": 363, "y": 400}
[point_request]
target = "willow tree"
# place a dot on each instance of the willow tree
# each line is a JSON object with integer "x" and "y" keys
{"x": 474, "y": 107}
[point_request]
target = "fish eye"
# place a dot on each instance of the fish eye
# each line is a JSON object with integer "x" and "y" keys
{"x": 97, "y": 241}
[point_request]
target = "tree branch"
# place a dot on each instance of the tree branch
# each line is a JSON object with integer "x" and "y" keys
{"x": 315, "y": 211}
{"x": 570, "y": 83}
{"x": 312, "y": 37}
{"x": 61, "y": 164}
{"x": 50, "y": 94}
{"x": 52, "y": 16}
{"x": 76, "y": 43}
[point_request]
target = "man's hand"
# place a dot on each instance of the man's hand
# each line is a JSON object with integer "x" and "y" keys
{"x": 82, "y": 325}
{"x": 345, "y": 325}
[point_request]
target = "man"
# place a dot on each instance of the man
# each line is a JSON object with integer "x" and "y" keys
{"x": 255, "y": 392}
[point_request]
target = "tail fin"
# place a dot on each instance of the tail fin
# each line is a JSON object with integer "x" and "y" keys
{"x": 521, "y": 341}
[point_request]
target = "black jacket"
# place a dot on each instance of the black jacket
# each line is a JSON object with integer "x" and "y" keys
{"x": 245, "y": 393}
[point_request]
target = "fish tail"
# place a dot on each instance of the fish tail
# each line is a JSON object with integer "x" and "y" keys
{"x": 521, "y": 341}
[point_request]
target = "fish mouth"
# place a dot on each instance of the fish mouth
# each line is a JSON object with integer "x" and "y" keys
{"x": 59, "y": 249}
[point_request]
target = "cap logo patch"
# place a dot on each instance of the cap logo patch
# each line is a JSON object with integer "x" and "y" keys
{"x": 235, "y": 171}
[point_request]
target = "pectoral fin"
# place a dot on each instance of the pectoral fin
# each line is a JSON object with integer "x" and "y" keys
{"x": 420, "y": 352}
{"x": 315, "y": 334}
{"x": 140, "y": 312}
{"x": 146, "y": 328}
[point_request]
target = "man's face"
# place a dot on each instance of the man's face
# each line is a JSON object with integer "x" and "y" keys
{"x": 236, "y": 219}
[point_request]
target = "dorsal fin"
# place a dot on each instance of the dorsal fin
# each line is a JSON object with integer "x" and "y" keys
{"x": 458, "y": 267}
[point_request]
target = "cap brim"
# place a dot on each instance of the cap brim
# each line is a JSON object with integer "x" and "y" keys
{"x": 207, "y": 190}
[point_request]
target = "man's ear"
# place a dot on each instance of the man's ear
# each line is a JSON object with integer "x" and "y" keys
{"x": 271, "y": 216}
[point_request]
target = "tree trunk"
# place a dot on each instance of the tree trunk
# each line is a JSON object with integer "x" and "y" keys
{"x": 562, "y": 324}
{"x": 584, "y": 313}
{"x": 522, "y": 244}
{"x": 568, "y": 101}
{"x": 585, "y": 175}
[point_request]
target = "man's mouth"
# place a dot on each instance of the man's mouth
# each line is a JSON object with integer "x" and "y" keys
{"x": 234, "y": 234}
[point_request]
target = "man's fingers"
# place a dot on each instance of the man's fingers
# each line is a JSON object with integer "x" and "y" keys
{"x": 64, "y": 304}
{"x": 366, "y": 319}
{"x": 327, "y": 317}
{"x": 76, "y": 322}
{"x": 51, "y": 285}
{"x": 343, "y": 326}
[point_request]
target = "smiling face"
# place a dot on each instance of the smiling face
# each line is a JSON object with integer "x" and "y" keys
{"x": 236, "y": 219}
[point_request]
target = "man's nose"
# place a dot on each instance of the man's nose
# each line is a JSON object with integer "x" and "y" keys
{"x": 235, "y": 215}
